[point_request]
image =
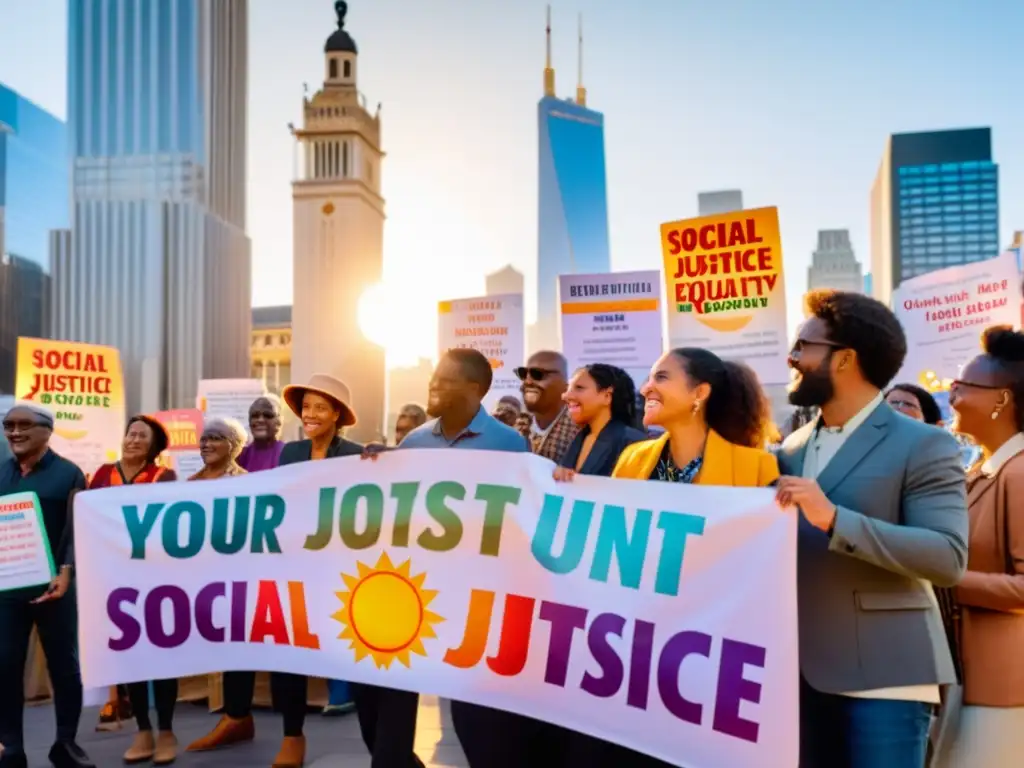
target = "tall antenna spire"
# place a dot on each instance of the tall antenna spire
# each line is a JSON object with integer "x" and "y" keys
{"x": 549, "y": 72}
{"x": 581, "y": 92}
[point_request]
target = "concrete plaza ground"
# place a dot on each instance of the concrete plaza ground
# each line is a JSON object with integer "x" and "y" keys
{"x": 333, "y": 741}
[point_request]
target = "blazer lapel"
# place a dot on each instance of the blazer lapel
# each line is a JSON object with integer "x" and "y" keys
{"x": 717, "y": 468}
{"x": 794, "y": 449}
{"x": 857, "y": 446}
{"x": 603, "y": 447}
{"x": 978, "y": 486}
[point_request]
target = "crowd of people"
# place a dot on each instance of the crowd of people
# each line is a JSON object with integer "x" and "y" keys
{"x": 910, "y": 565}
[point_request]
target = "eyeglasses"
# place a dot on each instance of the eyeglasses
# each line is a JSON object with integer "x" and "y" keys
{"x": 958, "y": 384}
{"x": 268, "y": 415}
{"x": 10, "y": 425}
{"x": 212, "y": 438}
{"x": 802, "y": 344}
{"x": 908, "y": 406}
{"x": 536, "y": 374}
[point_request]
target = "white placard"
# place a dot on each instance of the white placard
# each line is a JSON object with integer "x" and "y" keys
{"x": 25, "y": 557}
{"x": 612, "y": 318}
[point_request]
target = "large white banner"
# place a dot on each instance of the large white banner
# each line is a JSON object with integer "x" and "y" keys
{"x": 612, "y": 318}
{"x": 495, "y": 326}
{"x": 944, "y": 313}
{"x": 656, "y": 615}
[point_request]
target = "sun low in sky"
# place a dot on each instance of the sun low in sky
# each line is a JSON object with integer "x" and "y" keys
{"x": 385, "y": 614}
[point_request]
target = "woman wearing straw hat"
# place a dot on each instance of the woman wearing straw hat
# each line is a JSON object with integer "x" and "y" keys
{"x": 323, "y": 406}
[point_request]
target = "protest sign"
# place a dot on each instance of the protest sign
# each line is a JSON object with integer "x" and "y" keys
{"x": 944, "y": 313}
{"x": 228, "y": 398}
{"x": 612, "y": 318}
{"x": 726, "y": 290}
{"x": 656, "y": 615}
{"x": 183, "y": 428}
{"x": 25, "y": 557}
{"x": 83, "y": 386}
{"x": 494, "y": 325}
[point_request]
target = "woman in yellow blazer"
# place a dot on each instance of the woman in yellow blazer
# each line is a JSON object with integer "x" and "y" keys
{"x": 715, "y": 418}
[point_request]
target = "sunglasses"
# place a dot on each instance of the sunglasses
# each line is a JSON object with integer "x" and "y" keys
{"x": 536, "y": 374}
{"x": 20, "y": 426}
{"x": 268, "y": 415}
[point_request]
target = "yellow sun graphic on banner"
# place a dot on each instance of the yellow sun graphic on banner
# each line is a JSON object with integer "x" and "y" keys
{"x": 385, "y": 612}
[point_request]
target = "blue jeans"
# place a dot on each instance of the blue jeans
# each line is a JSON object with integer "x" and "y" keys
{"x": 338, "y": 693}
{"x": 846, "y": 732}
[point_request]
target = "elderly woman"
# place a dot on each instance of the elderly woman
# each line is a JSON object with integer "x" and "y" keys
{"x": 409, "y": 418}
{"x": 220, "y": 446}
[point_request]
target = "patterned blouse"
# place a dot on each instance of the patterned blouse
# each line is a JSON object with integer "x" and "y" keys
{"x": 667, "y": 472}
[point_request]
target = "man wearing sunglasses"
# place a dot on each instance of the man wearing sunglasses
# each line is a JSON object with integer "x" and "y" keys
{"x": 546, "y": 424}
{"x": 33, "y": 467}
{"x": 883, "y": 517}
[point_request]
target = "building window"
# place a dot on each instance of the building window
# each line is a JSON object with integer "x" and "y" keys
{"x": 348, "y": 70}
{"x": 333, "y": 66}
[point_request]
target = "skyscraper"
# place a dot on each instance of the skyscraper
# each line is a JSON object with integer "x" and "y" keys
{"x": 934, "y": 204}
{"x": 338, "y": 215}
{"x": 833, "y": 264}
{"x": 724, "y": 201}
{"x": 508, "y": 279}
{"x": 33, "y": 201}
{"x": 157, "y": 262}
{"x": 572, "y": 218}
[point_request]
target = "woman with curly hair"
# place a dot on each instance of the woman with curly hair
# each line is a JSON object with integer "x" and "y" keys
{"x": 985, "y": 613}
{"x": 601, "y": 400}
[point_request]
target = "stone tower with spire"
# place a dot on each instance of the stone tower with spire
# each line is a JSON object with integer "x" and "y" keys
{"x": 338, "y": 245}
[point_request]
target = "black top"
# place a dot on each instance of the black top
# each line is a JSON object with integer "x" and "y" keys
{"x": 54, "y": 480}
{"x": 302, "y": 450}
{"x": 611, "y": 442}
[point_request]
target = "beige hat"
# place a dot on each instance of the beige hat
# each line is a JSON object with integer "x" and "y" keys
{"x": 324, "y": 385}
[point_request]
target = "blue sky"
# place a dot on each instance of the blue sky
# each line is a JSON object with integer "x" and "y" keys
{"x": 789, "y": 101}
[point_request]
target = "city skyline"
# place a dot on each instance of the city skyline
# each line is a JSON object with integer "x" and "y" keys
{"x": 462, "y": 195}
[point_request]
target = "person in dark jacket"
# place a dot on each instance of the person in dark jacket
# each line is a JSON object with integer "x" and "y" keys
{"x": 323, "y": 407}
{"x": 601, "y": 399}
{"x": 35, "y": 468}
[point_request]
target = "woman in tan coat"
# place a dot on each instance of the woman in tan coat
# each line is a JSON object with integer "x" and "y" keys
{"x": 988, "y": 613}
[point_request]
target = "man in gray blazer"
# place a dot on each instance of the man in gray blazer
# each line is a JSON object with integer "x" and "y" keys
{"x": 883, "y": 518}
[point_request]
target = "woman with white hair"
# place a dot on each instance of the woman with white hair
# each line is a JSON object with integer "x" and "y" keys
{"x": 220, "y": 446}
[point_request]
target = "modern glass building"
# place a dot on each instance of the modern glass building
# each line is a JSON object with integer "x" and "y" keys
{"x": 157, "y": 261}
{"x": 573, "y": 204}
{"x": 934, "y": 204}
{"x": 33, "y": 201}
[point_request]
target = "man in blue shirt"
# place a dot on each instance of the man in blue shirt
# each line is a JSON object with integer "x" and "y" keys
{"x": 51, "y": 608}
{"x": 387, "y": 718}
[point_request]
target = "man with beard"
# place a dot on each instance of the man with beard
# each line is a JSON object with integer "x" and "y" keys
{"x": 387, "y": 718}
{"x": 34, "y": 468}
{"x": 546, "y": 423}
{"x": 883, "y": 517}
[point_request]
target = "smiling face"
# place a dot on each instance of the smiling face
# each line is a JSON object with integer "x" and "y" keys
{"x": 26, "y": 435}
{"x": 543, "y": 383}
{"x": 669, "y": 395}
{"x": 264, "y": 420}
{"x": 810, "y": 359}
{"x": 320, "y": 415}
{"x": 979, "y": 392}
{"x": 584, "y": 400}
{"x": 450, "y": 390}
{"x": 215, "y": 448}
{"x": 138, "y": 441}
{"x": 906, "y": 403}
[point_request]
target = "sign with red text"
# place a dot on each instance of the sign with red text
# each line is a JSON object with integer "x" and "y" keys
{"x": 618, "y": 608}
{"x": 612, "y": 318}
{"x": 725, "y": 288}
{"x": 82, "y": 384}
{"x": 183, "y": 429}
{"x": 25, "y": 557}
{"x": 944, "y": 313}
{"x": 494, "y": 325}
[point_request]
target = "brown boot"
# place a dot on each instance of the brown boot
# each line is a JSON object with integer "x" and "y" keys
{"x": 292, "y": 754}
{"x": 166, "y": 748}
{"x": 227, "y": 732}
{"x": 141, "y": 750}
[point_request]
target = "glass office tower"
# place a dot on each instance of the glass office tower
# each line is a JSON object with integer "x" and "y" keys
{"x": 934, "y": 204}
{"x": 33, "y": 201}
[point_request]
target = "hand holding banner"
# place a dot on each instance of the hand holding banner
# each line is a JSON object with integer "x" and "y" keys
{"x": 657, "y": 616}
